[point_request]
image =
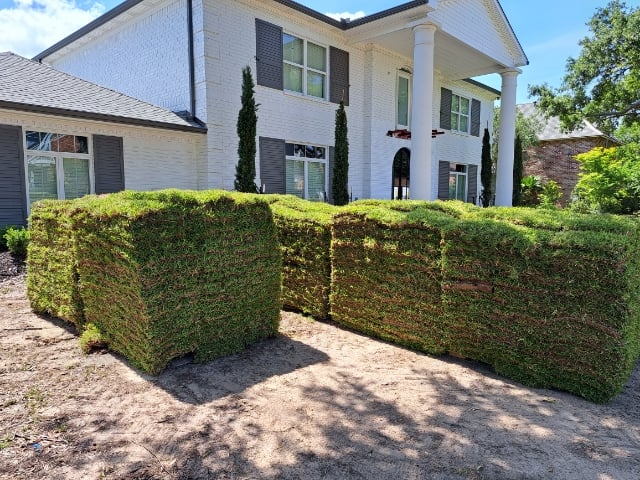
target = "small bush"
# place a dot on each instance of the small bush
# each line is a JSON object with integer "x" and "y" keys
{"x": 3, "y": 241}
{"x": 17, "y": 240}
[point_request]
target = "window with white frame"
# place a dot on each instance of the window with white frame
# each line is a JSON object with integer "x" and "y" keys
{"x": 403, "y": 99}
{"x": 58, "y": 166}
{"x": 460, "y": 113}
{"x": 306, "y": 171}
{"x": 305, "y": 66}
{"x": 458, "y": 182}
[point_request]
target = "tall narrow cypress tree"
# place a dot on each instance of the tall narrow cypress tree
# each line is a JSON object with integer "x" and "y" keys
{"x": 485, "y": 169}
{"x": 518, "y": 167}
{"x": 246, "y": 128}
{"x": 340, "y": 187}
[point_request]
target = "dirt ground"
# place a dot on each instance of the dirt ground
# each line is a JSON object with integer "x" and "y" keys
{"x": 317, "y": 402}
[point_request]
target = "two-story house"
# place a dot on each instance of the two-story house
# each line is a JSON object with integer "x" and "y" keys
{"x": 415, "y": 115}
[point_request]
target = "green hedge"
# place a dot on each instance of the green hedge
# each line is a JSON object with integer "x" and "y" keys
{"x": 167, "y": 273}
{"x": 304, "y": 232}
{"x": 387, "y": 274}
{"x": 52, "y": 276}
{"x": 550, "y": 299}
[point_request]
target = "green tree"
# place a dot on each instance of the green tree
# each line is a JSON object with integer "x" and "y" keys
{"x": 518, "y": 171}
{"x": 246, "y": 128}
{"x": 527, "y": 128}
{"x": 486, "y": 173}
{"x": 340, "y": 179}
{"x": 609, "y": 180}
{"x": 602, "y": 84}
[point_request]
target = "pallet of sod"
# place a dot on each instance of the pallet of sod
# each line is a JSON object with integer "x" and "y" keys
{"x": 169, "y": 273}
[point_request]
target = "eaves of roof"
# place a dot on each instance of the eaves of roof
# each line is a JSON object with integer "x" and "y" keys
{"x": 128, "y": 4}
{"x": 101, "y": 117}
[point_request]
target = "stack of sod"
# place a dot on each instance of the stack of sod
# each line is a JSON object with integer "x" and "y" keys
{"x": 547, "y": 298}
{"x": 304, "y": 232}
{"x": 52, "y": 276}
{"x": 386, "y": 272}
{"x": 167, "y": 273}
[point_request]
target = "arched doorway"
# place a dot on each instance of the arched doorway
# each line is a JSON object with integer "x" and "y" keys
{"x": 400, "y": 183}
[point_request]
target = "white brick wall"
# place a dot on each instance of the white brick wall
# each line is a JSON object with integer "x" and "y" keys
{"x": 146, "y": 58}
{"x": 224, "y": 35}
{"x": 153, "y": 158}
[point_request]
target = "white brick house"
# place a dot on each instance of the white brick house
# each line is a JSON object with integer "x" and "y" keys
{"x": 405, "y": 69}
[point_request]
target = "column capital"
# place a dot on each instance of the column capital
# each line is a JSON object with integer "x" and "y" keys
{"x": 510, "y": 72}
{"x": 424, "y": 24}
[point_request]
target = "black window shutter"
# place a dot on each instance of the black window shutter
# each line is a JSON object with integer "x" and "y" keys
{"x": 445, "y": 108}
{"x": 443, "y": 180}
{"x": 13, "y": 197}
{"x": 475, "y": 117}
{"x": 339, "y": 75}
{"x": 272, "y": 164}
{"x": 332, "y": 156}
{"x": 108, "y": 164}
{"x": 269, "y": 63}
{"x": 472, "y": 188}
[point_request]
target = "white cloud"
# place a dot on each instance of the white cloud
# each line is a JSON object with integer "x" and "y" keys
{"x": 349, "y": 15}
{"x": 30, "y": 26}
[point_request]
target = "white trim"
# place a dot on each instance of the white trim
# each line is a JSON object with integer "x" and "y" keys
{"x": 468, "y": 115}
{"x": 306, "y": 68}
{"x": 59, "y": 159}
{"x": 306, "y": 161}
{"x": 409, "y": 77}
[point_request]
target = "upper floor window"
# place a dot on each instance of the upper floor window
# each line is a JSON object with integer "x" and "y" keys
{"x": 403, "y": 97}
{"x": 58, "y": 166}
{"x": 306, "y": 171}
{"x": 460, "y": 113}
{"x": 305, "y": 66}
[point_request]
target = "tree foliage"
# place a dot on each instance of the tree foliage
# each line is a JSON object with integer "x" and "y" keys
{"x": 486, "y": 170}
{"x": 340, "y": 188}
{"x": 609, "y": 180}
{"x": 603, "y": 83}
{"x": 518, "y": 171}
{"x": 247, "y": 128}
{"x": 527, "y": 128}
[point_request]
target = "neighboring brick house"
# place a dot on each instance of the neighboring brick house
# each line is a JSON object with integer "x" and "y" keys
{"x": 403, "y": 73}
{"x": 554, "y": 157}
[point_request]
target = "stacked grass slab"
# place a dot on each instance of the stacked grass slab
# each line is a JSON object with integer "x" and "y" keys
{"x": 304, "y": 232}
{"x": 168, "y": 273}
{"x": 550, "y": 299}
{"x": 386, "y": 277}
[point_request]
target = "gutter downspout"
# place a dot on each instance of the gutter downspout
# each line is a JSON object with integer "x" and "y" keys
{"x": 192, "y": 62}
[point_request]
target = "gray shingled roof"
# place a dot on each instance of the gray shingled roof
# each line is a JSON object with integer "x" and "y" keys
{"x": 552, "y": 129}
{"x": 30, "y": 86}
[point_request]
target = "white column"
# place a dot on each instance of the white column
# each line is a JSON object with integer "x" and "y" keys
{"x": 422, "y": 112}
{"x": 504, "y": 165}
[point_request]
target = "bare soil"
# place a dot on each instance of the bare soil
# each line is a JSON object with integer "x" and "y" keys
{"x": 316, "y": 402}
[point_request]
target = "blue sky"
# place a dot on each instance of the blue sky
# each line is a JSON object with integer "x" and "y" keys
{"x": 549, "y": 30}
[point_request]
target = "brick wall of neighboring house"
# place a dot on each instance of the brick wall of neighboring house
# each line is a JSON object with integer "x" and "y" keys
{"x": 555, "y": 160}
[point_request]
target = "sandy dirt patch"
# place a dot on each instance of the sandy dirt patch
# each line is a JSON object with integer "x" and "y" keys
{"x": 317, "y": 402}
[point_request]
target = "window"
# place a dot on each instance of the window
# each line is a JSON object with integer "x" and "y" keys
{"x": 306, "y": 171}
{"x": 403, "y": 109}
{"x": 305, "y": 66}
{"x": 460, "y": 113}
{"x": 58, "y": 166}
{"x": 458, "y": 182}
